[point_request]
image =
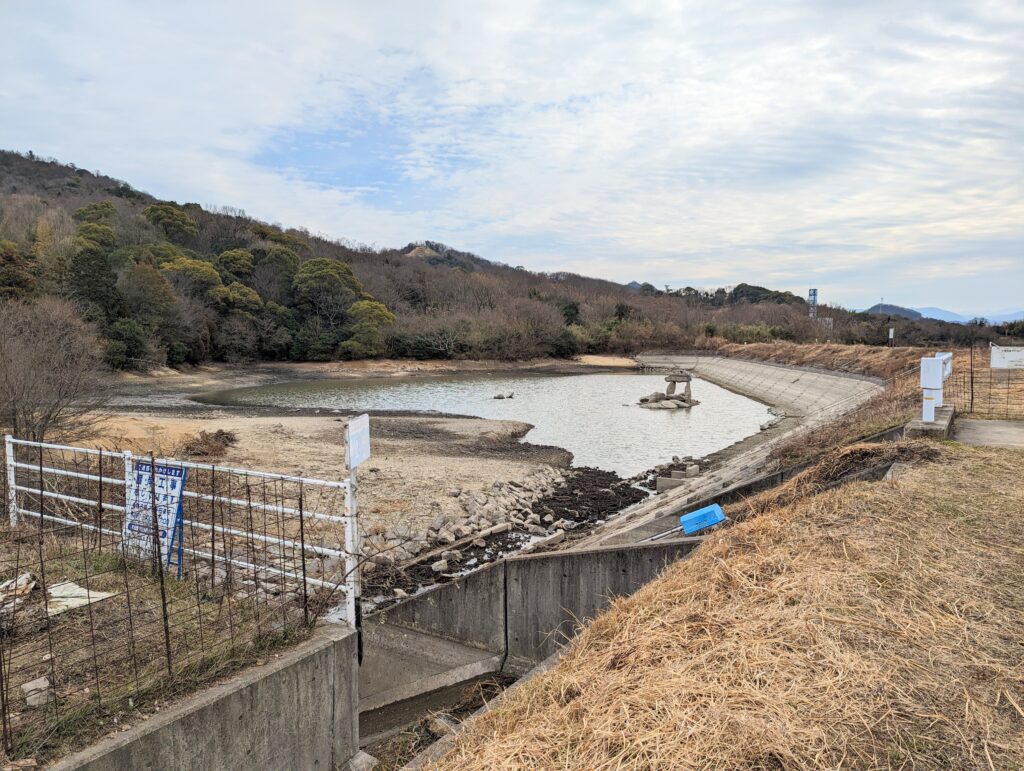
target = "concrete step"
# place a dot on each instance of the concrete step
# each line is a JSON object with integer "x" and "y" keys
{"x": 400, "y": 663}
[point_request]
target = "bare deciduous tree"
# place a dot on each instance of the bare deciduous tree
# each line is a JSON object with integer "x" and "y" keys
{"x": 51, "y": 371}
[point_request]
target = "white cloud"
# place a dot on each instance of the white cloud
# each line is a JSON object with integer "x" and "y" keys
{"x": 663, "y": 141}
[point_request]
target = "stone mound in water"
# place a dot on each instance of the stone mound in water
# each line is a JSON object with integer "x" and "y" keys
{"x": 670, "y": 400}
{"x": 660, "y": 401}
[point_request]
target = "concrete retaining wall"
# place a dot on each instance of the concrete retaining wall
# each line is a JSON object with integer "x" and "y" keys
{"x": 300, "y": 711}
{"x": 549, "y": 595}
{"x": 528, "y": 606}
{"x": 470, "y": 610}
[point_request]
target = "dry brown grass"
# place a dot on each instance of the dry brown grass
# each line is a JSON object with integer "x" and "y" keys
{"x": 873, "y": 626}
{"x": 878, "y": 361}
{"x": 829, "y": 470}
{"x": 987, "y": 393}
{"x": 894, "y": 406}
{"x": 208, "y": 444}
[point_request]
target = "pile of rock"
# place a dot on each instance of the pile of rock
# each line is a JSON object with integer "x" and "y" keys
{"x": 505, "y": 506}
{"x": 670, "y": 400}
{"x": 505, "y": 503}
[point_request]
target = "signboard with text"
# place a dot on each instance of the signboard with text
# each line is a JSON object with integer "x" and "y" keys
{"x": 1007, "y": 357}
{"x": 137, "y": 534}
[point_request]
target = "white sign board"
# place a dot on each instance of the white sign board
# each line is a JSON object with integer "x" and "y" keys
{"x": 1007, "y": 357}
{"x": 137, "y": 534}
{"x": 358, "y": 444}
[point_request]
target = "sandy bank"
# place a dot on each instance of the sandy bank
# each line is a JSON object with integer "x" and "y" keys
{"x": 417, "y": 460}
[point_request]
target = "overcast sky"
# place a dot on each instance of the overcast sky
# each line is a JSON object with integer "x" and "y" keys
{"x": 869, "y": 149}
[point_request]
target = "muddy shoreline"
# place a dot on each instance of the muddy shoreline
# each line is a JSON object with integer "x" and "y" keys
{"x": 418, "y": 457}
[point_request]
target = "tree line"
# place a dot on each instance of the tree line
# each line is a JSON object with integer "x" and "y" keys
{"x": 169, "y": 283}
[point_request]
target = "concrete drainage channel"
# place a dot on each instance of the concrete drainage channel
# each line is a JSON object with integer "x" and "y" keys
{"x": 504, "y": 618}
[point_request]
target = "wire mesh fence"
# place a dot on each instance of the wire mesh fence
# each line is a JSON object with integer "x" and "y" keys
{"x": 987, "y": 393}
{"x": 105, "y": 605}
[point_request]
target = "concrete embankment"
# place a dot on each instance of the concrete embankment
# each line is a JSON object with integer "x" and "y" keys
{"x": 808, "y": 397}
{"x": 508, "y": 616}
{"x": 798, "y": 391}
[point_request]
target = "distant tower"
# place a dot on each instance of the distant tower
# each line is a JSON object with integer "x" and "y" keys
{"x": 812, "y": 303}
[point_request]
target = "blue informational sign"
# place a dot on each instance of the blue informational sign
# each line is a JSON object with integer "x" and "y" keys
{"x": 137, "y": 535}
{"x": 701, "y": 519}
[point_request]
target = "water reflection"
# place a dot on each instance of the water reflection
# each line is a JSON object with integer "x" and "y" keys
{"x": 593, "y": 416}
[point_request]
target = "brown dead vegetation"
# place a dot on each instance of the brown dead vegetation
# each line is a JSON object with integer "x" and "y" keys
{"x": 874, "y": 360}
{"x": 876, "y": 625}
{"x": 208, "y": 444}
{"x": 830, "y": 470}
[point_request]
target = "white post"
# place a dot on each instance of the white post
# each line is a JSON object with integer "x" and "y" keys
{"x": 352, "y": 552}
{"x": 934, "y": 372}
{"x": 928, "y": 404}
{"x": 12, "y": 477}
{"x": 357, "y": 450}
{"x": 129, "y": 481}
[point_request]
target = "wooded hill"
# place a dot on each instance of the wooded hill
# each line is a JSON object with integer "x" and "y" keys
{"x": 176, "y": 283}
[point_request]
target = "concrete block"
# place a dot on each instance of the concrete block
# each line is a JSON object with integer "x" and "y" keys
{"x": 667, "y": 483}
{"x": 940, "y": 429}
{"x": 549, "y": 595}
{"x": 469, "y": 609}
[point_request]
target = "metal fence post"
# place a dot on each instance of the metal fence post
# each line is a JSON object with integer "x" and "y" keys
{"x": 352, "y": 552}
{"x": 129, "y": 481}
{"x": 12, "y": 493}
{"x": 353, "y": 547}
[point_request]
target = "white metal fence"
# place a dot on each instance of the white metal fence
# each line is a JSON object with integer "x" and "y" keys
{"x": 258, "y": 526}
{"x": 127, "y": 578}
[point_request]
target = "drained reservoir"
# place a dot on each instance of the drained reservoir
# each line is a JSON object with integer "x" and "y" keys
{"x": 594, "y": 416}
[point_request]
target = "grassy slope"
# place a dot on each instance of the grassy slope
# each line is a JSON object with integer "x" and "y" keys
{"x": 877, "y": 361}
{"x": 873, "y": 626}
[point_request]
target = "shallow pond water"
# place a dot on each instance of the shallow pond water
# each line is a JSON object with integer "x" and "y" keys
{"x": 594, "y": 416}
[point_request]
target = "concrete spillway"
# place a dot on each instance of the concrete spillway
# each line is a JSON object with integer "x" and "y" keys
{"x": 508, "y": 617}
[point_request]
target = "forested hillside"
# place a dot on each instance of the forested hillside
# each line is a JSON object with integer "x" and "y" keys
{"x": 179, "y": 284}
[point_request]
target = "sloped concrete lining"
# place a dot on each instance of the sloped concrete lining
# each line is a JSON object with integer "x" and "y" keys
{"x": 401, "y": 663}
{"x": 800, "y": 391}
{"x": 299, "y": 711}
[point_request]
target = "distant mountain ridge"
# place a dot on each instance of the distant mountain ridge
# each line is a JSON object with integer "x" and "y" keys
{"x": 958, "y": 318}
{"x": 941, "y": 314}
{"x": 1002, "y": 318}
{"x": 886, "y": 309}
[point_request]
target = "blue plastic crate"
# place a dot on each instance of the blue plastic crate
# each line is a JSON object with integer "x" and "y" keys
{"x": 700, "y": 519}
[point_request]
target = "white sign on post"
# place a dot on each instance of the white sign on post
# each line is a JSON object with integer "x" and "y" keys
{"x": 1007, "y": 357}
{"x": 137, "y": 534}
{"x": 358, "y": 447}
